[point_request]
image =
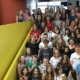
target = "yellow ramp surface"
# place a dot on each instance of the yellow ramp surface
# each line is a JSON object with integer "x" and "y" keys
{"x": 11, "y": 38}
{"x": 12, "y": 72}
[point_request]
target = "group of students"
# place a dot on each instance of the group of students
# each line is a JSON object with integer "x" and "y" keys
{"x": 53, "y": 52}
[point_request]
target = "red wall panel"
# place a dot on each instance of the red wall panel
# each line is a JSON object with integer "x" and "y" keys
{"x": 8, "y": 10}
{"x": 0, "y": 12}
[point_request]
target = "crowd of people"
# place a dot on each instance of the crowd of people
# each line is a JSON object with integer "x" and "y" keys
{"x": 53, "y": 52}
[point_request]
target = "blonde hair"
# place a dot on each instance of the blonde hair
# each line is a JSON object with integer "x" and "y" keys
{"x": 47, "y": 74}
{"x": 58, "y": 52}
{"x": 63, "y": 43}
{"x": 19, "y": 61}
{"x": 30, "y": 51}
{"x": 18, "y": 12}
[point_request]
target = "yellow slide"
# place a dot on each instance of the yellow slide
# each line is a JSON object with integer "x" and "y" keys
{"x": 12, "y": 37}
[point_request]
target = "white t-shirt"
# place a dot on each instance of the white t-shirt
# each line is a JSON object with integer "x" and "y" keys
{"x": 59, "y": 76}
{"x": 50, "y": 34}
{"x": 41, "y": 45}
{"x": 65, "y": 38}
{"x": 47, "y": 34}
{"x": 75, "y": 58}
{"x": 54, "y": 61}
{"x": 42, "y": 68}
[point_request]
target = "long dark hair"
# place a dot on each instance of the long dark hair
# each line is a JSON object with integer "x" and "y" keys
{"x": 28, "y": 11}
{"x": 57, "y": 70}
{"x": 46, "y": 18}
{"x": 63, "y": 15}
{"x": 40, "y": 16}
{"x": 68, "y": 33}
{"x": 67, "y": 53}
{"x": 57, "y": 29}
{"x": 78, "y": 30}
{"x": 74, "y": 34}
{"x": 39, "y": 12}
{"x": 19, "y": 61}
{"x": 67, "y": 48}
{"x": 75, "y": 37}
{"x": 74, "y": 74}
{"x": 38, "y": 71}
{"x": 67, "y": 60}
{"x": 51, "y": 9}
{"x": 77, "y": 7}
{"x": 47, "y": 74}
{"x": 27, "y": 71}
{"x": 72, "y": 40}
{"x": 59, "y": 9}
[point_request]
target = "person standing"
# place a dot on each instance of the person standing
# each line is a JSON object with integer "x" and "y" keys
{"x": 78, "y": 70}
{"x": 45, "y": 52}
{"x": 68, "y": 11}
{"x": 43, "y": 66}
{"x": 33, "y": 45}
{"x": 75, "y": 57}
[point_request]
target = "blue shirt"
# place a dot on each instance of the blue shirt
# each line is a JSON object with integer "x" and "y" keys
{"x": 45, "y": 53}
{"x": 20, "y": 20}
{"x": 78, "y": 70}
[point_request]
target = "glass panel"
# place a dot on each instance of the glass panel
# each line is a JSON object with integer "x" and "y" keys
{"x": 57, "y": 3}
{"x": 65, "y": 7}
{"x": 54, "y": 3}
{"x": 42, "y": 7}
{"x": 33, "y": 7}
{"x": 42, "y": 3}
{"x": 51, "y": 3}
{"x": 43, "y": 10}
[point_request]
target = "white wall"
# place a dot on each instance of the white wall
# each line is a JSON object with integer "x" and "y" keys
{"x": 60, "y": 0}
{"x": 31, "y": 4}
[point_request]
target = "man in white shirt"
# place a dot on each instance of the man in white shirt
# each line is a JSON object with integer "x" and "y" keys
{"x": 45, "y": 37}
{"x": 43, "y": 66}
{"x": 75, "y": 57}
{"x": 50, "y": 35}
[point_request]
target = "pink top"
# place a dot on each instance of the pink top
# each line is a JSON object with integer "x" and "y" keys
{"x": 26, "y": 17}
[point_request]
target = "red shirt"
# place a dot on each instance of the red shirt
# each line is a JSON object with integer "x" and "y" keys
{"x": 36, "y": 33}
{"x": 50, "y": 26}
